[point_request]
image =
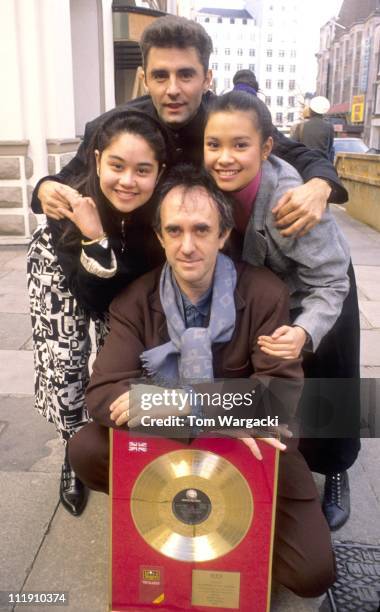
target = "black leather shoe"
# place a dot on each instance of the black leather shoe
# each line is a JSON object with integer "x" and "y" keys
{"x": 72, "y": 492}
{"x": 336, "y": 500}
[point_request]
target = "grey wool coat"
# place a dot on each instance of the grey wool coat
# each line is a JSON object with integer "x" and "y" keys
{"x": 314, "y": 266}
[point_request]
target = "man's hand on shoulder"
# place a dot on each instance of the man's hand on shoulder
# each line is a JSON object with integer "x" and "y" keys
{"x": 302, "y": 207}
{"x": 54, "y": 196}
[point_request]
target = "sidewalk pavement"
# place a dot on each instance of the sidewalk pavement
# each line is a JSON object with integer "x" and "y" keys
{"x": 43, "y": 548}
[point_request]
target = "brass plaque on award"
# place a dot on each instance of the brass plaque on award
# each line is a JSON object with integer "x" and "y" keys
{"x": 215, "y": 589}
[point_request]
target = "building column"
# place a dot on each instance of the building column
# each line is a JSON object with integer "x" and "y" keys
{"x": 37, "y": 98}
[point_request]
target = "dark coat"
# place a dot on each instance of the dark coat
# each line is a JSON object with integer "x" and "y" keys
{"x": 317, "y": 133}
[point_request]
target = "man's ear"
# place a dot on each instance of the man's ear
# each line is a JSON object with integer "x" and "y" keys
{"x": 160, "y": 239}
{"x": 207, "y": 81}
{"x": 97, "y": 159}
{"x": 223, "y": 238}
{"x": 142, "y": 76}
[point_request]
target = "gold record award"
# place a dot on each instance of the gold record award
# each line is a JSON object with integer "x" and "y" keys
{"x": 192, "y": 505}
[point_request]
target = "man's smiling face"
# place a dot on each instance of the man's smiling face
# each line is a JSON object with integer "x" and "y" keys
{"x": 176, "y": 81}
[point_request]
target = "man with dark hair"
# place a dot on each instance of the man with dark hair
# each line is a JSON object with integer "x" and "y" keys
{"x": 200, "y": 317}
{"x": 176, "y": 54}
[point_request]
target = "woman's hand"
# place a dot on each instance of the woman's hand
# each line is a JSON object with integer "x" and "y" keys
{"x": 301, "y": 208}
{"x": 285, "y": 342}
{"x": 253, "y": 447}
{"x": 84, "y": 215}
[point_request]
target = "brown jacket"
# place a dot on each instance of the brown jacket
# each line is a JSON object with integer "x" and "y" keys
{"x": 138, "y": 323}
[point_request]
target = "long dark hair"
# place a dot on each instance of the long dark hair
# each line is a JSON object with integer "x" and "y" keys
{"x": 88, "y": 184}
{"x": 243, "y": 101}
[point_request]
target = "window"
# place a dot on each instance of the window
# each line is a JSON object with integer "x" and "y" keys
{"x": 216, "y": 50}
{"x": 227, "y": 83}
{"x": 227, "y": 67}
{"x": 292, "y": 68}
{"x": 269, "y": 38}
{"x": 293, "y": 53}
{"x": 281, "y": 53}
{"x": 244, "y": 22}
{"x": 280, "y": 84}
{"x": 269, "y": 68}
{"x": 280, "y": 100}
{"x": 268, "y": 84}
{"x": 268, "y": 100}
{"x": 269, "y": 52}
{"x": 214, "y": 66}
{"x": 232, "y": 20}
{"x": 207, "y": 20}
{"x": 292, "y": 84}
{"x": 251, "y": 67}
{"x": 214, "y": 84}
{"x": 278, "y": 117}
{"x": 290, "y": 116}
{"x": 239, "y": 66}
{"x": 240, "y": 51}
{"x": 291, "y": 101}
{"x": 281, "y": 67}
{"x": 227, "y": 51}
{"x": 220, "y": 20}
{"x": 252, "y": 52}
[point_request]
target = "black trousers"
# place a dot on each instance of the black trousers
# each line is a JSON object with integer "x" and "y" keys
{"x": 338, "y": 356}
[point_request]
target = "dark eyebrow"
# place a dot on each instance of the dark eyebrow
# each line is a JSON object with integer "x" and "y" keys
{"x": 159, "y": 72}
{"x": 171, "y": 226}
{"x": 189, "y": 70}
{"x": 117, "y": 158}
{"x": 202, "y": 226}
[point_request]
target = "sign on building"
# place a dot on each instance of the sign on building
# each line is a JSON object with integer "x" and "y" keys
{"x": 357, "y": 109}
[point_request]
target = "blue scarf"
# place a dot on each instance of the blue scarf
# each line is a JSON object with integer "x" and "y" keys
{"x": 187, "y": 357}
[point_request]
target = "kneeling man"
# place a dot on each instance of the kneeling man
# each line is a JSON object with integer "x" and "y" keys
{"x": 197, "y": 318}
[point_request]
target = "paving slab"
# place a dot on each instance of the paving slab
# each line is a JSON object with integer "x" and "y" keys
{"x": 364, "y": 324}
{"x": 369, "y": 459}
{"x": 284, "y": 600}
{"x": 15, "y": 299}
{"x": 370, "y": 347}
{"x": 20, "y": 419}
{"x": 371, "y": 290}
{"x": 27, "y": 503}
{"x": 371, "y": 311}
{"x": 368, "y": 273}
{"x": 74, "y": 558}
{"x": 15, "y": 330}
{"x": 18, "y": 375}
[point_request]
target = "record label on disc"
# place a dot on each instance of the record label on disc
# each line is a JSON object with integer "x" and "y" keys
{"x": 191, "y": 506}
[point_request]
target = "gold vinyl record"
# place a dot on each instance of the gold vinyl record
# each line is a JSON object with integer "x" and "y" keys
{"x": 192, "y": 505}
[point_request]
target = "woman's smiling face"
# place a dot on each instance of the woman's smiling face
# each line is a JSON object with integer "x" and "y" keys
{"x": 233, "y": 151}
{"x": 127, "y": 171}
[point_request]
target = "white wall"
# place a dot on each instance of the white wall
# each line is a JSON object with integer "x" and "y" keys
{"x": 11, "y": 119}
{"x": 86, "y": 61}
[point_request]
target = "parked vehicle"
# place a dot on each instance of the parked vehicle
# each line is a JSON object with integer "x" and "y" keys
{"x": 350, "y": 145}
